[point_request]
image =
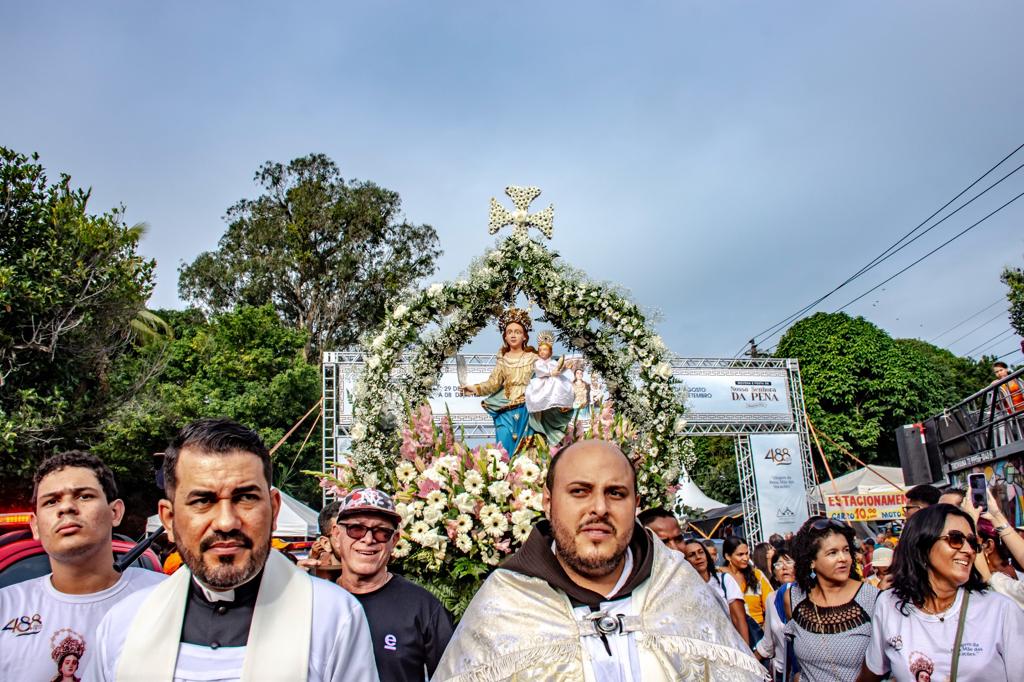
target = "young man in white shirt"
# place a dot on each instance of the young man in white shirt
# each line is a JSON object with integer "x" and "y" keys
{"x": 50, "y": 622}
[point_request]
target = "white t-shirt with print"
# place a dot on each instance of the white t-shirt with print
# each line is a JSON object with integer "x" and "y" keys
{"x": 37, "y": 619}
{"x": 992, "y": 648}
{"x": 731, "y": 591}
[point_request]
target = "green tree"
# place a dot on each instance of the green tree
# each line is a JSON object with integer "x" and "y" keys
{"x": 715, "y": 469}
{"x": 327, "y": 253}
{"x": 1013, "y": 278}
{"x": 246, "y": 365}
{"x": 860, "y": 384}
{"x": 72, "y": 286}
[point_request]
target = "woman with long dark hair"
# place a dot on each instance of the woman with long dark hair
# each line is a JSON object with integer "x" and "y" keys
{"x": 938, "y": 617}
{"x": 763, "y": 556}
{"x": 829, "y": 607}
{"x": 723, "y": 585}
{"x": 752, "y": 582}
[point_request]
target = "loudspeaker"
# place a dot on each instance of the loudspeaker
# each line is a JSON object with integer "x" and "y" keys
{"x": 919, "y": 459}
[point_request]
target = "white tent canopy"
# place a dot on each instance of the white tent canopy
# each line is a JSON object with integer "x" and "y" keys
{"x": 862, "y": 482}
{"x": 295, "y": 520}
{"x": 692, "y": 496}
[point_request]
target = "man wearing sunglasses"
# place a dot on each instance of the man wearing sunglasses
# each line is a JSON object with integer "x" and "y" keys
{"x": 409, "y": 627}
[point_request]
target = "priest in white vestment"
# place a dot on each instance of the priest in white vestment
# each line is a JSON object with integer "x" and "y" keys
{"x": 236, "y": 610}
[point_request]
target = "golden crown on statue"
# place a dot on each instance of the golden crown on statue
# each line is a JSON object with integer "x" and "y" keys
{"x": 517, "y": 315}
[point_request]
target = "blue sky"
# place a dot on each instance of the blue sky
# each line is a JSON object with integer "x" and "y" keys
{"x": 725, "y": 162}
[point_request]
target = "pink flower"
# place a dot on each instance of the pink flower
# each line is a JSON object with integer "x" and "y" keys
{"x": 427, "y": 486}
{"x": 452, "y": 526}
{"x": 503, "y": 546}
{"x": 446, "y": 429}
{"x": 325, "y": 482}
{"x": 672, "y": 489}
{"x": 423, "y": 420}
{"x": 409, "y": 445}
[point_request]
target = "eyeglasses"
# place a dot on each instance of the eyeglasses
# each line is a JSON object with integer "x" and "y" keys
{"x": 912, "y": 507}
{"x": 956, "y": 540}
{"x": 784, "y": 563}
{"x": 356, "y": 531}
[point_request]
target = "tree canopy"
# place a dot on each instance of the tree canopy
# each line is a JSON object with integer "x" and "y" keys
{"x": 71, "y": 286}
{"x": 1013, "y": 278}
{"x": 326, "y": 252}
{"x": 860, "y": 384}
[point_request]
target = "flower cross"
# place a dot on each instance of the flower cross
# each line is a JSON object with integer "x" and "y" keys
{"x": 521, "y": 198}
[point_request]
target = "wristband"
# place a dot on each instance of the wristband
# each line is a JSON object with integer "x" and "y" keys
{"x": 1001, "y": 529}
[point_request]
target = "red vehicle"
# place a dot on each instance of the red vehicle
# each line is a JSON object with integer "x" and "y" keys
{"x": 22, "y": 558}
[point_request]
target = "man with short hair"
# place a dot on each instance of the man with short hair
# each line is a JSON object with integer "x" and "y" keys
{"x": 49, "y": 623}
{"x": 238, "y": 609}
{"x": 953, "y": 496}
{"x": 665, "y": 525}
{"x": 323, "y": 560}
{"x": 712, "y": 550}
{"x": 591, "y": 595}
{"x": 409, "y": 626}
{"x": 919, "y": 497}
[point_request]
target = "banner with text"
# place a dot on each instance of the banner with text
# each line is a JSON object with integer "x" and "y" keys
{"x": 746, "y": 395}
{"x": 867, "y": 507}
{"x": 779, "y": 476}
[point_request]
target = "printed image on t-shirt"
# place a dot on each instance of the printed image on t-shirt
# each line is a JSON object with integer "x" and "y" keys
{"x": 68, "y": 647}
{"x": 921, "y": 667}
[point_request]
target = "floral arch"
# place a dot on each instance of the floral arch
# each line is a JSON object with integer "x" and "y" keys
{"x": 596, "y": 319}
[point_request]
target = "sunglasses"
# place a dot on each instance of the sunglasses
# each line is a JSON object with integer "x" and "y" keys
{"x": 956, "y": 540}
{"x": 357, "y": 531}
{"x": 822, "y": 524}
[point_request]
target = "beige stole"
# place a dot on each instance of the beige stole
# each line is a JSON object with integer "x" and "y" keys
{"x": 279, "y": 636}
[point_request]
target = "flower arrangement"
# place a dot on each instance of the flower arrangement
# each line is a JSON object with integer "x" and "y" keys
{"x": 593, "y": 318}
{"x": 463, "y": 509}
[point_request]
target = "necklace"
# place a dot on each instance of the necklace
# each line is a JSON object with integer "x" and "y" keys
{"x": 824, "y": 638}
{"x": 939, "y": 611}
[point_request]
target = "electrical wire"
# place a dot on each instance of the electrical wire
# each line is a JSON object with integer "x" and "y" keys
{"x": 990, "y": 342}
{"x": 1015, "y": 350}
{"x": 958, "y": 324}
{"x": 889, "y": 252}
{"x": 980, "y": 326}
{"x": 940, "y": 246}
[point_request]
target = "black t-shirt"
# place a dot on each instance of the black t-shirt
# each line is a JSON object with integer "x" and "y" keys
{"x": 410, "y": 629}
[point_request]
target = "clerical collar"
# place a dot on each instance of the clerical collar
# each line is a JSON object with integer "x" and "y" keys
{"x": 244, "y": 589}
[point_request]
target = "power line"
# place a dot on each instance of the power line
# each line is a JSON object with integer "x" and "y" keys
{"x": 983, "y": 344}
{"x": 980, "y": 326}
{"x": 886, "y": 253}
{"x": 940, "y": 246}
{"x": 1015, "y": 350}
{"x": 936, "y": 338}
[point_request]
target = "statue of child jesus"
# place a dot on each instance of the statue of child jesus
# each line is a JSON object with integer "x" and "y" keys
{"x": 551, "y": 385}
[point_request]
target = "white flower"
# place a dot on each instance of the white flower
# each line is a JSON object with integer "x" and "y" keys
{"x": 528, "y": 471}
{"x": 371, "y": 480}
{"x": 490, "y": 558}
{"x": 679, "y": 425}
{"x": 418, "y": 529}
{"x": 373, "y": 362}
{"x": 431, "y": 538}
{"x": 473, "y": 482}
{"x": 495, "y": 525}
{"x": 435, "y": 289}
{"x": 405, "y": 472}
{"x": 658, "y": 344}
{"x": 465, "y": 503}
{"x": 521, "y": 516}
{"x": 378, "y": 342}
{"x": 358, "y": 431}
{"x": 450, "y": 462}
{"x": 432, "y": 474}
{"x": 488, "y": 510}
{"x": 416, "y": 506}
{"x": 432, "y": 515}
{"x": 403, "y": 510}
{"x": 499, "y": 490}
{"x": 663, "y": 370}
{"x": 463, "y": 523}
{"x": 530, "y": 499}
{"x": 400, "y": 311}
{"x": 463, "y": 543}
{"x": 521, "y": 531}
{"x": 402, "y": 549}
{"x": 436, "y": 498}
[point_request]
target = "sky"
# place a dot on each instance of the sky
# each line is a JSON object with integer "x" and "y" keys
{"x": 726, "y": 163}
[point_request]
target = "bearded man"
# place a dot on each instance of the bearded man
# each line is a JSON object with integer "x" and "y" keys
{"x": 590, "y": 596}
{"x": 241, "y": 611}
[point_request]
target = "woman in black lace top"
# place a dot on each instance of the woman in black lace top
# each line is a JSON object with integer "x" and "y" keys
{"x": 830, "y": 608}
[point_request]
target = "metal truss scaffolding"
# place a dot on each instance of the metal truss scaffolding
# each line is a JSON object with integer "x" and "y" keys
{"x": 342, "y": 369}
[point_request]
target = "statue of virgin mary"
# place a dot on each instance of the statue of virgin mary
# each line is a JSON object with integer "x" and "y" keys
{"x": 504, "y": 391}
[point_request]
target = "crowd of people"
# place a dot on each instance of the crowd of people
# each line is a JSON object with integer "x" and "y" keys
{"x": 943, "y": 601}
{"x": 596, "y": 592}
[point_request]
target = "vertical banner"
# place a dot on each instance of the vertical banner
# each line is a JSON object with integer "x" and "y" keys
{"x": 779, "y": 476}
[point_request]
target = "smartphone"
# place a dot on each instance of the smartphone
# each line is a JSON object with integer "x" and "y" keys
{"x": 977, "y": 486}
